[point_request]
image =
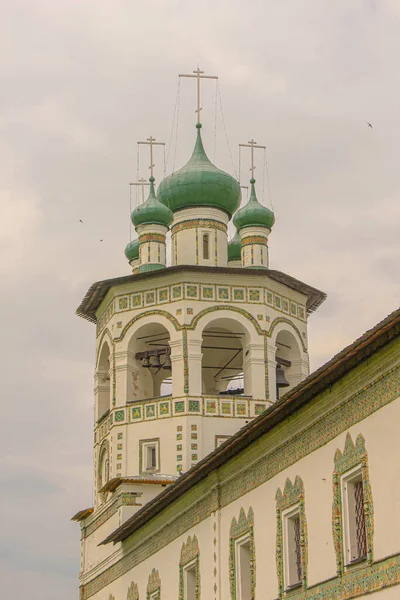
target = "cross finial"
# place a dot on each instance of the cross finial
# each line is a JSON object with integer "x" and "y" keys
{"x": 142, "y": 182}
{"x": 199, "y": 75}
{"x": 252, "y": 144}
{"x": 151, "y": 141}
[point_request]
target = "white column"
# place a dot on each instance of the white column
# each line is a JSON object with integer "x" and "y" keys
{"x": 177, "y": 367}
{"x": 254, "y": 370}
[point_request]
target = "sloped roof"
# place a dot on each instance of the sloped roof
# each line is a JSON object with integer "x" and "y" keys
{"x": 302, "y": 394}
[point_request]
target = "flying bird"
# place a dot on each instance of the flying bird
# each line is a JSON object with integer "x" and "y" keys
{"x": 369, "y": 124}
{"x": 101, "y": 240}
{"x": 80, "y": 221}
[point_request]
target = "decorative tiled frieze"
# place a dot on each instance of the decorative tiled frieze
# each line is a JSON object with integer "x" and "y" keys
{"x": 293, "y": 494}
{"x": 255, "y": 239}
{"x": 166, "y": 407}
{"x": 354, "y": 455}
{"x": 190, "y": 555}
{"x": 152, "y": 237}
{"x": 201, "y": 292}
{"x": 239, "y": 529}
{"x": 198, "y": 223}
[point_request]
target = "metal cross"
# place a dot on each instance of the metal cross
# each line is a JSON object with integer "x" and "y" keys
{"x": 252, "y": 144}
{"x": 152, "y": 142}
{"x": 142, "y": 182}
{"x": 199, "y": 75}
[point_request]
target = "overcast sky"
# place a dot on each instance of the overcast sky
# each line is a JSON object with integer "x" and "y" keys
{"x": 81, "y": 82}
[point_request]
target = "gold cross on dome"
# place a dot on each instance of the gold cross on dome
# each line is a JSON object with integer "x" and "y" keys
{"x": 198, "y": 74}
{"x": 252, "y": 144}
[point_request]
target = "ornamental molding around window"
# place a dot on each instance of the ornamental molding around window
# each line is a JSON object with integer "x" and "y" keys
{"x": 190, "y": 553}
{"x": 153, "y": 590}
{"x": 133, "y": 592}
{"x": 354, "y": 455}
{"x": 240, "y": 528}
{"x": 293, "y": 494}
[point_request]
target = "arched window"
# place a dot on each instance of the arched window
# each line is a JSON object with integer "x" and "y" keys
{"x": 206, "y": 246}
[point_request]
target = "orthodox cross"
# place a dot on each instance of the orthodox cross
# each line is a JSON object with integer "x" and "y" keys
{"x": 152, "y": 142}
{"x": 142, "y": 182}
{"x": 199, "y": 75}
{"x": 252, "y": 144}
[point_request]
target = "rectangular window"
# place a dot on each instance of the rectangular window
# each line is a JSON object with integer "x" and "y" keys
{"x": 292, "y": 548}
{"x": 243, "y": 571}
{"x": 150, "y": 455}
{"x": 206, "y": 246}
{"x": 189, "y": 581}
{"x": 355, "y": 537}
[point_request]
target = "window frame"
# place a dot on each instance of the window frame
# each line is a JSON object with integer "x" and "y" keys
{"x": 288, "y": 515}
{"x": 241, "y": 532}
{"x": 206, "y": 244}
{"x": 239, "y": 543}
{"x": 349, "y": 529}
{"x": 349, "y": 463}
{"x": 144, "y": 447}
{"x": 189, "y": 561}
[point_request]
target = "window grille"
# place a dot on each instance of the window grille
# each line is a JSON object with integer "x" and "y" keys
{"x": 360, "y": 519}
{"x": 297, "y": 547}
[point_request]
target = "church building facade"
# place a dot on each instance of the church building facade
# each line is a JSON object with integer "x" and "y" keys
{"x": 222, "y": 469}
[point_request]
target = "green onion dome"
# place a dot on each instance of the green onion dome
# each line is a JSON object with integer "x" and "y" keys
{"x": 132, "y": 250}
{"x": 235, "y": 248}
{"x": 200, "y": 183}
{"x": 152, "y": 212}
{"x": 253, "y": 214}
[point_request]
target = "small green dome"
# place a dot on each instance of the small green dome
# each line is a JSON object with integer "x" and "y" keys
{"x": 152, "y": 212}
{"x": 132, "y": 250}
{"x": 200, "y": 183}
{"x": 235, "y": 248}
{"x": 253, "y": 214}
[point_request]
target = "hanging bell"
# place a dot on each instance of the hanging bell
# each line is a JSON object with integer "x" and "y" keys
{"x": 156, "y": 362}
{"x": 146, "y": 362}
{"x": 281, "y": 381}
{"x": 167, "y": 363}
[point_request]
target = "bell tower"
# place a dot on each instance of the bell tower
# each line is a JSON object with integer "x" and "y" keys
{"x": 186, "y": 354}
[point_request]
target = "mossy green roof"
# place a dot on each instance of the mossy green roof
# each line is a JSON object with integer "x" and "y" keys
{"x": 253, "y": 214}
{"x": 132, "y": 250}
{"x": 235, "y": 248}
{"x": 200, "y": 183}
{"x": 152, "y": 211}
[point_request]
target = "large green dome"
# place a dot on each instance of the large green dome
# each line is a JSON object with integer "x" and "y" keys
{"x": 200, "y": 183}
{"x": 235, "y": 248}
{"x": 253, "y": 214}
{"x": 132, "y": 250}
{"x": 152, "y": 212}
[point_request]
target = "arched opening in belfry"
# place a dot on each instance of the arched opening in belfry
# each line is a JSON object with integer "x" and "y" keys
{"x": 223, "y": 348}
{"x": 288, "y": 362}
{"x": 150, "y": 373}
{"x": 103, "y": 381}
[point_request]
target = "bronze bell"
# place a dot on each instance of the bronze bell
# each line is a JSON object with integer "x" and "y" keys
{"x": 167, "y": 363}
{"x": 156, "y": 362}
{"x": 281, "y": 381}
{"x": 146, "y": 362}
